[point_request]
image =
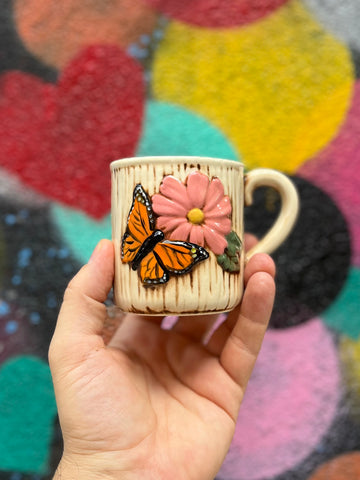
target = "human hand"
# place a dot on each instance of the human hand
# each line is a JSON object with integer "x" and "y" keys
{"x": 152, "y": 403}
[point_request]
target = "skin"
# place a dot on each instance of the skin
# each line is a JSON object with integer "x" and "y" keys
{"x": 144, "y": 402}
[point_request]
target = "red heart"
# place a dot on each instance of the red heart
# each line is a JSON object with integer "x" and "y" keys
{"x": 61, "y": 138}
{"x": 216, "y": 13}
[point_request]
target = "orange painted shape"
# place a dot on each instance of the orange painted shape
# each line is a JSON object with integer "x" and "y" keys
{"x": 343, "y": 467}
{"x": 55, "y": 31}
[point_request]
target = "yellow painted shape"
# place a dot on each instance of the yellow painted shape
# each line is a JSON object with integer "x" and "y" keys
{"x": 196, "y": 216}
{"x": 278, "y": 88}
{"x": 349, "y": 351}
{"x": 350, "y": 357}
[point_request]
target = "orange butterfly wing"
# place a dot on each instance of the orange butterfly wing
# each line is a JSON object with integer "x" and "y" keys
{"x": 170, "y": 257}
{"x": 140, "y": 225}
{"x": 151, "y": 271}
{"x": 179, "y": 257}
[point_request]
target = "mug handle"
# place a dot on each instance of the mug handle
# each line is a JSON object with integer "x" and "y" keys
{"x": 265, "y": 177}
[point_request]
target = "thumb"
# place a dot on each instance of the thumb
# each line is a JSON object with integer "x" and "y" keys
{"x": 95, "y": 278}
{"x": 83, "y": 313}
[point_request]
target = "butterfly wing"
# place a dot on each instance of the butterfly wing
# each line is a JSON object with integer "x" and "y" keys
{"x": 140, "y": 225}
{"x": 179, "y": 257}
{"x": 151, "y": 271}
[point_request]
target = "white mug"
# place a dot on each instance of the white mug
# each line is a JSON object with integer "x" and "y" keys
{"x": 177, "y": 228}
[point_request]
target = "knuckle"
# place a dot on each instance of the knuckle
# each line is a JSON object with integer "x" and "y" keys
{"x": 242, "y": 346}
{"x": 72, "y": 291}
{"x": 53, "y": 353}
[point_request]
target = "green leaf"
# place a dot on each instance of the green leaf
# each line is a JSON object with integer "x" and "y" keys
{"x": 230, "y": 259}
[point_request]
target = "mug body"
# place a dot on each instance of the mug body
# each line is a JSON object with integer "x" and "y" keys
{"x": 177, "y": 228}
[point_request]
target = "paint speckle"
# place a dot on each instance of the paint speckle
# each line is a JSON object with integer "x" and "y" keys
{"x": 11, "y": 327}
{"x": 34, "y": 318}
{"x": 63, "y": 253}
{"x": 51, "y": 252}
{"x": 4, "y": 308}
{"x": 24, "y": 257}
{"x": 16, "y": 476}
{"x": 52, "y": 300}
{"x": 10, "y": 219}
{"x": 16, "y": 280}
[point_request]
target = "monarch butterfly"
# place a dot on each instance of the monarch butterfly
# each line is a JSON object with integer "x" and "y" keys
{"x": 146, "y": 249}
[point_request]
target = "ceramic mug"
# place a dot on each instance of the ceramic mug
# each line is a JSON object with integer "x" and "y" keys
{"x": 177, "y": 228}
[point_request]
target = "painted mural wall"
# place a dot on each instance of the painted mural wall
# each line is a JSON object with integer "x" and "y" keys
{"x": 271, "y": 83}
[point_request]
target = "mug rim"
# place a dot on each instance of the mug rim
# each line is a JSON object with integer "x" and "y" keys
{"x": 163, "y": 159}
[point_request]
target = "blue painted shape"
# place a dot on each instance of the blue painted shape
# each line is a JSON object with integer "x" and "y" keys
{"x": 27, "y": 413}
{"x": 173, "y": 130}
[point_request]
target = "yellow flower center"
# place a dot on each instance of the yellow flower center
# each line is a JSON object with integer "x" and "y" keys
{"x": 196, "y": 216}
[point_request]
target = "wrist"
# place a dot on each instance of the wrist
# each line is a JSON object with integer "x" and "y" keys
{"x": 87, "y": 469}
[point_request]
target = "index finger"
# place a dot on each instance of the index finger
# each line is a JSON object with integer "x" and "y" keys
{"x": 242, "y": 346}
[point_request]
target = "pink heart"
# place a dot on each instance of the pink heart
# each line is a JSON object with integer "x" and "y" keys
{"x": 59, "y": 139}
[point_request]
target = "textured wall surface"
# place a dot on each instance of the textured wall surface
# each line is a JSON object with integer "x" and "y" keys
{"x": 271, "y": 83}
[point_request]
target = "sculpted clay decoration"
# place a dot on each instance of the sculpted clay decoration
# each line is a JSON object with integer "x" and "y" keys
{"x": 199, "y": 211}
{"x": 168, "y": 234}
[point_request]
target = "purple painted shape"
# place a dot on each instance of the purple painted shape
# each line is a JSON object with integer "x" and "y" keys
{"x": 336, "y": 171}
{"x": 290, "y": 403}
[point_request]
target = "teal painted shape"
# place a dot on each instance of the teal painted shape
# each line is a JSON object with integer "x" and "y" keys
{"x": 27, "y": 414}
{"x": 173, "y": 130}
{"x": 168, "y": 130}
{"x": 80, "y": 232}
{"x": 343, "y": 313}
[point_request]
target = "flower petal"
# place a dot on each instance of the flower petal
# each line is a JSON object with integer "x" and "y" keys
{"x": 217, "y": 242}
{"x": 197, "y": 235}
{"x": 164, "y": 206}
{"x": 220, "y": 224}
{"x": 181, "y": 232}
{"x": 221, "y": 209}
{"x": 168, "y": 224}
{"x": 197, "y": 186}
{"x": 214, "y": 194}
{"x": 175, "y": 190}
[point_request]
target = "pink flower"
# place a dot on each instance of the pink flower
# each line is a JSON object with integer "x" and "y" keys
{"x": 197, "y": 212}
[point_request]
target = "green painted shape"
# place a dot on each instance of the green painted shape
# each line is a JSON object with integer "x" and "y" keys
{"x": 173, "y": 130}
{"x": 230, "y": 259}
{"x": 80, "y": 232}
{"x": 27, "y": 413}
{"x": 343, "y": 314}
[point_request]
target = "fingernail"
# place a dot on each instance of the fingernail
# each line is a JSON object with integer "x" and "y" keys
{"x": 96, "y": 252}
